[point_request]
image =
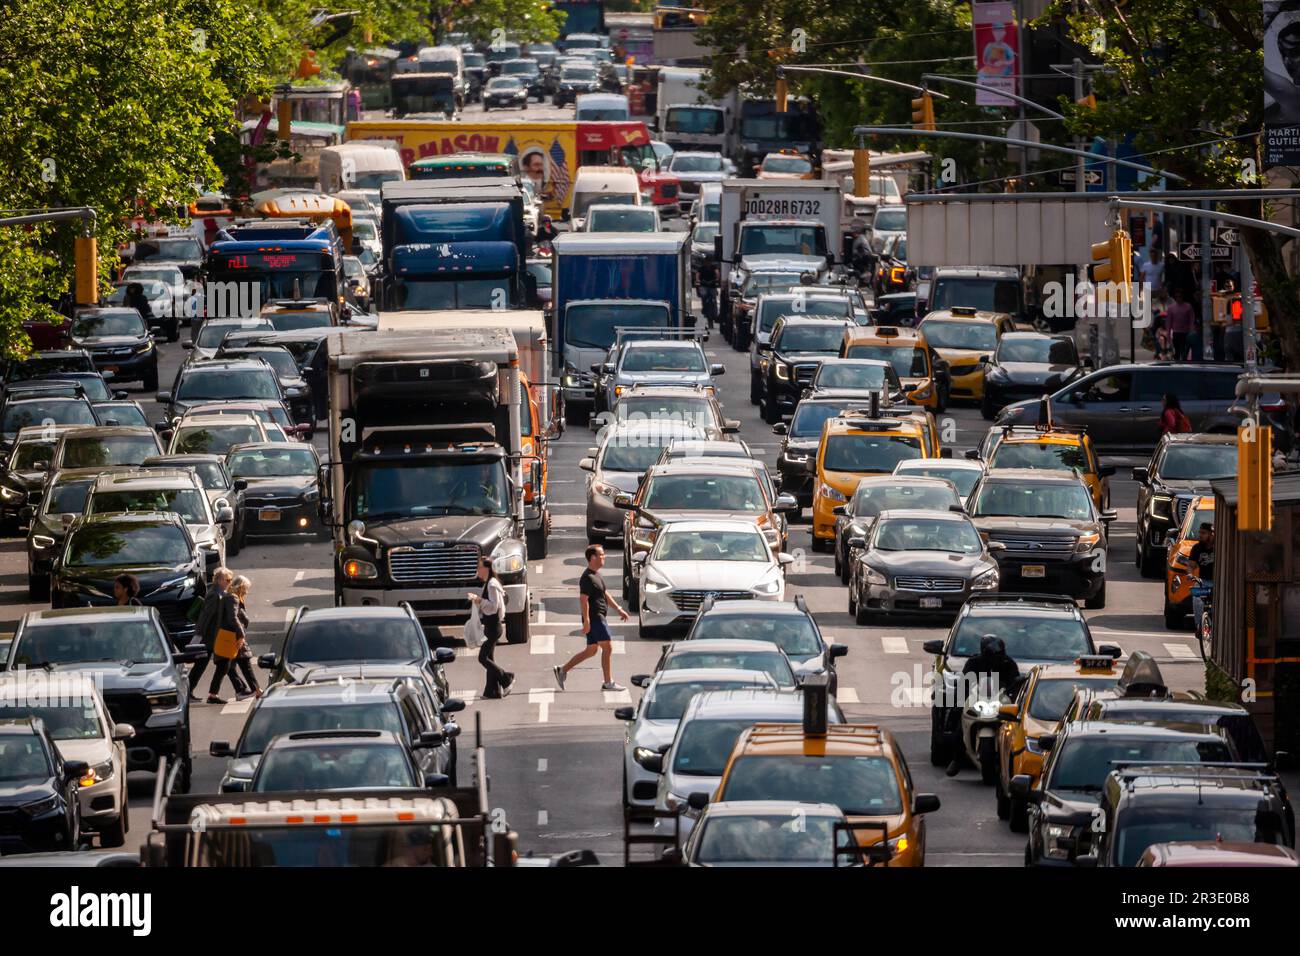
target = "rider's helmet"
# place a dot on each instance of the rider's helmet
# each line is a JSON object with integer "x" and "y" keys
{"x": 991, "y": 644}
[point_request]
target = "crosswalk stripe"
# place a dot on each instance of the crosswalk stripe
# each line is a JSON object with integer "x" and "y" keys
{"x": 894, "y": 645}
{"x": 237, "y": 707}
{"x": 847, "y": 695}
{"x": 466, "y": 695}
{"x": 1181, "y": 651}
{"x": 542, "y": 644}
{"x": 617, "y": 696}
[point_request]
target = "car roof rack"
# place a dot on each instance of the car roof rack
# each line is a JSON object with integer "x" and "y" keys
{"x": 1011, "y": 597}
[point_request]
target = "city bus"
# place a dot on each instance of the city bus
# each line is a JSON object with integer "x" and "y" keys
{"x": 265, "y": 259}
{"x": 315, "y": 207}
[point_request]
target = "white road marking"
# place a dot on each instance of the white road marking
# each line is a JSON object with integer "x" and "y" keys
{"x": 847, "y": 695}
{"x": 1181, "y": 651}
{"x": 466, "y": 695}
{"x": 543, "y": 697}
{"x": 894, "y": 645}
{"x": 541, "y": 765}
{"x": 543, "y": 818}
{"x": 617, "y": 645}
{"x": 237, "y": 707}
{"x": 617, "y": 696}
{"x": 542, "y": 644}
{"x": 288, "y": 615}
{"x": 299, "y": 576}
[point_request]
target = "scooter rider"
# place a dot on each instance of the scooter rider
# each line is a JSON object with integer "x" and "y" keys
{"x": 994, "y": 670}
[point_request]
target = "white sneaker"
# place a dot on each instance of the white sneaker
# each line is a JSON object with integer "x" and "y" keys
{"x": 611, "y": 685}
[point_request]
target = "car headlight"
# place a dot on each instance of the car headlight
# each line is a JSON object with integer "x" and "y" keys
{"x": 1058, "y": 841}
{"x": 174, "y": 583}
{"x": 100, "y": 772}
{"x": 508, "y": 564}
{"x": 163, "y": 699}
{"x": 899, "y": 843}
{"x": 1031, "y": 744}
{"x": 831, "y": 494}
{"x": 984, "y": 709}
{"x": 640, "y": 753}
{"x": 12, "y": 494}
{"x": 656, "y": 585}
{"x": 359, "y": 570}
{"x": 770, "y": 586}
{"x": 42, "y": 806}
{"x": 604, "y": 489}
{"x": 1159, "y": 504}
{"x": 144, "y": 349}
{"x": 221, "y": 503}
{"x": 1087, "y": 542}
{"x": 311, "y": 494}
{"x": 762, "y": 365}
{"x": 571, "y": 380}
{"x": 986, "y": 581}
{"x": 876, "y": 578}
{"x": 783, "y": 371}
{"x": 42, "y": 541}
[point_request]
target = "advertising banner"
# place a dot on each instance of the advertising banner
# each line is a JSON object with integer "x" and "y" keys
{"x": 996, "y": 60}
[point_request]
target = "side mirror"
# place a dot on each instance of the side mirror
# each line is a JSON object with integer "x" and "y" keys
{"x": 780, "y": 428}
{"x": 191, "y": 655}
{"x": 717, "y": 369}
{"x": 75, "y": 770}
{"x": 698, "y": 800}
{"x": 123, "y": 731}
{"x": 925, "y": 803}
{"x": 1022, "y": 787}
{"x": 220, "y": 748}
{"x": 163, "y": 398}
{"x": 640, "y": 680}
{"x": 241, "y": 484}
{"x": 564, "y": 215}
{"x": 640, "y": 557}
{"x": 859, "y": 542}
{"x": 1109, "y": 650}
{"x": 1046, "y": 742}
{"x": 837, "y": 650}
{"x": 225, "y": 514}
{"x": 430, "y": 738}
{"x": 785, "y": 503}
{"x": 444, "y": 655}
{"x": 624, "y": 713}
{"x": 1009, "y": 712}
{"x": 973, "y": 454}
{"x": 452, "y": 705}
{"x": 785, "y": 559}
{"x": 436, "y": 780}
{"x": 587, "y": 464}
{"x": 1109, "y": 516}
{"x": 1140, "y": 474}
{"x": 933, "y": 647}
{"x": 731, "y": 426}
{"x": 624, "y": 501}
{"x": 266, "y": 661}
{"x": 839, "y": 511}
{"x": 996, "y": 546}
{"x": 1086, "y": 860}
{"x": 1105, "y": 471}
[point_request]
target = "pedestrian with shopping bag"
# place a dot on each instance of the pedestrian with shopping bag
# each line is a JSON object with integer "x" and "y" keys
{"x": 244, "y": 659}
{"x": 219, "y": 630}
{"x": 489, "y": 606}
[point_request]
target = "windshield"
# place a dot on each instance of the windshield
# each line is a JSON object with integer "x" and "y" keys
{"x": 890, "y": 220}
{"x": 211, "y": 333}
{"x": 664, "y": 358}
{"x": 1005, "y": 499}
{"x": 108, "y": 323}
{"x": 810, "y": 338}
{"x": 336, "y": 640}
{"x": 857, "y": 785}
{"x": 943, "y": 334}
{"x": 334, "y": 767}
{"x": 856, "y": 376}
{"x": 592, "y": 326}
{"x": 61, "y": 723}
{"x": 704, "y": 493}
{"x": 794, "y": 634}
{"x": 453, "y": 294}
{"x": 273, "y": 463}
{"x": 809, "y": 418}
{"x": 499, "y": 83}
{"x": 584, "y": 201}
{"x": 782, "y": 240}
{"x": 1085, "y": 762}
{"x": 963, "y": 478}
{"x": 23, "y": 757}
{"x": 364, "y": 229}
{"x": 1027, "y": 637}
{"x": 96, "y": 451}
{"x": 1037, "y": 350}
{"x": 1199, "y": 462}
{"x": 49, "y": 366}
{"x": 760, "y": 282}
{"x": 54, "y": 411}
{"x": 203, "y": 384}
{"x": 598, "y": 113}
{"x": 443, "y": 487}
{"x": 520, "y": 68}
{"x": 280, "y": 360}
{"x": 871, "y": 499}
{"x": 908, "y": 360}
{"x": 623, "y": 219}
{"x": 692, "y": 411}
{"x": 920, "y": 534}
{"x": 786, "y": 164}
{"x": 986, "y": 295}
{"x": 1044, "y": 456}
{"x": 296, "y": 321}
{"x": 127, "y": 414}
{"x": 143, "y": 545}
{"x": 577, "y": 73}
{"x": 712, "y": 546}
{"x": 670, "y": 700}
{"x": 771, "y": 662}
{"x": 705, "y": 746}
{"x": 267, "y": 722}
{"x": 772, "y": 309}
{"x": 213, "y": 439}
{"x": 699, "y": 120}
{"x": 635, "y": 453}
{"x": 806, "y": 840}
{"x": 189, "y": 503}
{"x": 68, "y": 497}
{"x": 1144, "y": 827}
{"x": 28, "y": 453}
{"x": 106, "y": 639}
{"x": 869, "y": 453}
{"x": 704, "y": 234}
{"x": 178, "y": 249}
{"x": 209, "y": 473}
{"x": 1051, "y": 697}
{"x": 695, "y": 163}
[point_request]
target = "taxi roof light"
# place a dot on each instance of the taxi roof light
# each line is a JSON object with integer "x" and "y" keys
{"x": 816, "y": 705}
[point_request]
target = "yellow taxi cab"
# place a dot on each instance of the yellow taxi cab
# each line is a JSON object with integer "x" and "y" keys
{"x": 1042, "y": 700}
{"x": 1053, "y": 448}
{"x": 853, "y": 446}
{"x": 924, "y": 376}
{"x": 785, "y": 164}
{"x": 856, "y": 767}
{"x": 534, "y": 438}
{"x": 1179, "y": 571}
{"x": 965, "y": 338}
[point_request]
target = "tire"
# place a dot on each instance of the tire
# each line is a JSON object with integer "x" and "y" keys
{"x": 771, "y": 414}
{"x": 939, "y": 755}
{"x": 38, "y": 587}
{"x": 517, "y": 628}
{"x": 233, "y": 546}
{"x": 9, "y": 528}
{"x": 987, "y": 409}
{"x": 174, "y": 331}
{"x": 1151, "y": 563}
{"x": 1097, "y": 601}
{"x": 862, "y": 614}
{"x": 1003, "y": 800}
{"x": 627, "y": 804}
{"x": 115, "y": 835}
{"x": 632, "y": 596}
{"x": 537, "y": 542}
{"x": 1173, "y": 617}
{"x": 150, "y": 381}
{"x": 755, "y": 389}
{"x": 853, "y": 602}
{"x": 819, "y": 545}
{"x": 1018, "y": 815}
{"x": 988, "y": 760}
{"x": 841, "y": 571}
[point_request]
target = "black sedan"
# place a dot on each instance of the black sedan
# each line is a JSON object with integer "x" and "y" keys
{"x": 119, "y": 341}
{"x": 282, "y": 494}
{"x": 504, "y": 92}
{"x": 39, "y": 809}
{"x": 1027, "y": 365}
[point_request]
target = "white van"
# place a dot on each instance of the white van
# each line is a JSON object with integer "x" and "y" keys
{"x": 445, "y": 59}
{"x": 595, "y": 107}
{"x": 359, "y": 165}
{"x": 601, "y": 184}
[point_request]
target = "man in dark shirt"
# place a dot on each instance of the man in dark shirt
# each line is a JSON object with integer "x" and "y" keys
{"x": 595, "y": 601}
{"x": 1202, "y": 558}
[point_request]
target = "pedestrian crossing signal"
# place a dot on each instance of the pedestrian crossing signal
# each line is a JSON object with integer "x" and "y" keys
{"x": 923, "y": 111}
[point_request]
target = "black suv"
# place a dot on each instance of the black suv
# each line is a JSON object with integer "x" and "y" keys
{"x": 1054, "y": 536}
{"x": 797, "y": 461}
{"x": 798, "y": 347}
{"x": 1147, "y": 803}
{"x": 39, "y": 808}
{"x": 788, "y": 625}
{"x": 119, "y": 341}
{"x": 1181, "y": 465}
{"x": 297, "y": 391}
{"x": 1036, "y": 628}
{"x": 1063, "y": 809}
{"x": 50, "y": 364}
{"x": 127, "y": 652}
{"x": 23, "y": 473}
{"x": 51, "y": 514}
{"x": 57, "y": 405}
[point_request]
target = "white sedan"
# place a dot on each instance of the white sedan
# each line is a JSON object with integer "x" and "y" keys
{"x": 693, "y": 560}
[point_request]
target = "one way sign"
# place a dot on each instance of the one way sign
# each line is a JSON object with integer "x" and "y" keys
{"x": 1191, "y": 251}
{"x": 1226, "y": 235}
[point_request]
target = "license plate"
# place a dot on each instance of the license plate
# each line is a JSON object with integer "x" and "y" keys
{"x": 1033, "y": 571}
{"x": 929, "y": 602}
{"x": 268, "y": 514}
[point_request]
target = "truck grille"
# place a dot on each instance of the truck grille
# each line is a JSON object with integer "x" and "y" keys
{"x": 127, "y": 707}
{"x": 803, "y": 374}
{"x": 915, "y": 583}
{"x": 284, "y": 501}
{"x": 1056, "y": 546}
{"x": 433, "y": 565}
{"x": 691, "y": 600}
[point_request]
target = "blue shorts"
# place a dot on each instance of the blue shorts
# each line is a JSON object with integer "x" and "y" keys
{"x": 598, "y": 632}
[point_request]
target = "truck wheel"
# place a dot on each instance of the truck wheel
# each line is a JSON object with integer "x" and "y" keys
{"x": 517, "y": 628}
{"x": 150, "y": 381}
{"x": 1097, "y": 601}
{"x": 537, "y": 544}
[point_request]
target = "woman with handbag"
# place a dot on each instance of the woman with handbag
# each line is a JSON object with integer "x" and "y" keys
{"x": 490, "y": 606}
{"x": 244, "y": 659}
{"x": 220, "y": 631}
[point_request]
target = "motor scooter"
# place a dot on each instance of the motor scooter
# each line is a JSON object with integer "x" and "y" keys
{"x": 979, "y": 729}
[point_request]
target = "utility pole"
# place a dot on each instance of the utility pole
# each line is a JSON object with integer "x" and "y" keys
{"x": 1079, "y": 185}
{"x": 1207, "y": 303}
{"x": 1020, "y": 85}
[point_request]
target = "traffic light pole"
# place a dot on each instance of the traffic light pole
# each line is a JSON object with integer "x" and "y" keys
{"x": 85, "y": 282}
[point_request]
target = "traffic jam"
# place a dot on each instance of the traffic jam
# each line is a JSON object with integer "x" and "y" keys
{"x": 645, "y": 476}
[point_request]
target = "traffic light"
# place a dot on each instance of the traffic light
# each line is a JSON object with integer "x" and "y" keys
{"x": 1112, "y": 261}
{"x": 782, "y": 93}
{"x": 1255, "y": 477}
{"x": 284, "y": 125}
{"x": 923, "y": 111}
{"x": 86, "y": 255}
{"x": 861, "y": 172}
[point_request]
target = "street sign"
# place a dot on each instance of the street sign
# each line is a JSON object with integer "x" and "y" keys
{"x": 1189, "y": 251}
{"x": 1067, "y": 177}
{"x": 1227, "y": 235}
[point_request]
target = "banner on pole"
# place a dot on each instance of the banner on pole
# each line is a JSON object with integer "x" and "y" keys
{"x": 996, "y": 43}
